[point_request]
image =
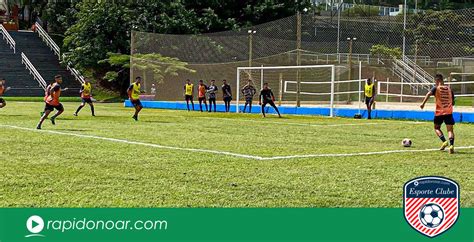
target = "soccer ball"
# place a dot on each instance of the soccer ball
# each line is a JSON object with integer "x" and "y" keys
{"x": 406, "y": 142}
{"x": 431, "y": 215}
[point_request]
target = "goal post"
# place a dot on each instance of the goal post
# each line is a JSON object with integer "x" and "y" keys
{"x": 312, "y": 85}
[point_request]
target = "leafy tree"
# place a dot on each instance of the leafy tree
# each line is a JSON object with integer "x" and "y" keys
{"x": 383, "y": 51}
{"x": 439, "y": 32}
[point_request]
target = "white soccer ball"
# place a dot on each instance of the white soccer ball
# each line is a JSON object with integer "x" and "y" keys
{"x": 431, "y": 215}
{"x": 406, "y": 142}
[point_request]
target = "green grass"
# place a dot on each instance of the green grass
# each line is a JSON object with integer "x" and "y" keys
{"x": 41, "y": 169}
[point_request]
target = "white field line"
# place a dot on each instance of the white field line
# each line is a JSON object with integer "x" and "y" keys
{"x": 305, "y": 124}
{"x": 360, "y": 154}
{"x": 135, "y": 142}
{"x": 217, "y": 152}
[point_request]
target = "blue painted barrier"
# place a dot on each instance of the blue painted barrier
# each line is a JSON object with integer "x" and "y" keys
{"x": 465, "y": 117}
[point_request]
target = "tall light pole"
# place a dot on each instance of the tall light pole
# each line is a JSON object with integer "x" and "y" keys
{"x": 338, "y": 30}
{"x": 350, "y": 39}
{"x": 251, "y": 33}
{"x": 298, "y": 54}
{"x": 404, "y": 26}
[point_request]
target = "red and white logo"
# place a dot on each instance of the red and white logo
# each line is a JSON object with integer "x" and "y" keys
{"x": 431, "y": 204}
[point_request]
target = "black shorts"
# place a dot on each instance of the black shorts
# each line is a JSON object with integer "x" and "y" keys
{"x": 87, "y": 100}
{"x": 188, "y": 97}
{"x": 368, "y": 100}
{"x": 248, "y": 100}
{"x": 447, "y": 119}
{"x": 212, "y": 99}
{"x": 202, "y": 99}
{"x": 58, "y": 107}
{"x": 137, "y": 103}
{"x": 2, "y": 100}
{"x": 227, "y": 99}
{"x": 268, "y": 102}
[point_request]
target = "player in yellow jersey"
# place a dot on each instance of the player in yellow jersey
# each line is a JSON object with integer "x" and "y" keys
{"x": 86, "y": 95}
{"x": 188, "y": 93}
{"x": 134, "y": 92}
{"x": 369, "y": 92}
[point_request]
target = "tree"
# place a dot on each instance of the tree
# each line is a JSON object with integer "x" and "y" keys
{"x": 383, "y": 51}
{"x": 439, "y": 32}
{"x": 155, "y": 65}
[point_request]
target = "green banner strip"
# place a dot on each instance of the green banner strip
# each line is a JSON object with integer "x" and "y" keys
{"x": 219, "y": 224}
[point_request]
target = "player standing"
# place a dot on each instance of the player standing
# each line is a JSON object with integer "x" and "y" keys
{"x": 86, "y": 95}
{"x": 188, "y": 93}
{"x": 248, "y": 91}
{"x": 369, "y": 92}
{"x": 3, "y": 89}
{"x": 134, "y": 95}
{"x": 52, "y": 94}
{"x": 444, "y": 111}
{"x": 202, "y": 94}
{"x": 267, "y": 97}
{"x": 212, "y": 90}
{"x": 227, "y": 95}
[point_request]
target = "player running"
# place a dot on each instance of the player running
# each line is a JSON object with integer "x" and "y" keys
{"x": 267, "y": 97}
{"x": 226, "y": 95}
{"x": 248, "y": 91}
{"x": 188, "y": 93}
{"x": 3, "y": 89}
{"x": 444, "y": 111}
{"x": 51, "y": 99}
{"x": 212, "y": 90}
{"x": 134, "y": 92}
{"x": 202, "y": 94}
{"x": 369, "y": 92}
{"x": 86, "y": 95}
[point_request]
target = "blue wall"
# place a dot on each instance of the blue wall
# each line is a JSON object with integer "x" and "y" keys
{"x": 467, "y": 117}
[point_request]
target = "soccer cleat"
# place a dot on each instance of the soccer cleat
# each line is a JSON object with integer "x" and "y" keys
{"x": 75, "y": 114}
{"x": 444, "y": 145}
{"x": 53, "y": 120}
{"x": 38, "y": 127}
{"x": 451, "y": 149}
{"x": 135, "y": 118}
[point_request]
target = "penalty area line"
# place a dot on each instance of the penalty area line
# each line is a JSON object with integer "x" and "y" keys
{"x": 217, "y": 152}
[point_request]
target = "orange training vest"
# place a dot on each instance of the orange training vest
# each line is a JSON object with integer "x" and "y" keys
{"x": 444, "y": 100}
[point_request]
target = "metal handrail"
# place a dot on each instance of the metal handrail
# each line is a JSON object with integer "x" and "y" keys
{"x": 8, "y": 37}
{"x": 36, "y": 75}
{"x": 409, "y": 69}
{"x": 418, "y": 69}
{"x": 48, "y": 40}
{"x": 76, "y": 73}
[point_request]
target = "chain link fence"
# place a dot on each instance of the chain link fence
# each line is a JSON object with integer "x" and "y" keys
{"x": 434, "y": 40}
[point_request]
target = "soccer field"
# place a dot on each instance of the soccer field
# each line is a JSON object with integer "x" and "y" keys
{"x": 192, "y": 159}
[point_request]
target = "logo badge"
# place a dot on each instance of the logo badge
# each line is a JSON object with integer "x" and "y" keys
{"x": 35, "y": 225}
{"x": 431, "y": 204}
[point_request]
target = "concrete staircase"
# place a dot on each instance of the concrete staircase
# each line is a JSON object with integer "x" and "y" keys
{"x": 40, "y": 55}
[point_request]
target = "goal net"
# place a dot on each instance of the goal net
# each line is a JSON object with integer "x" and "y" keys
{"x": 304, "y": 86}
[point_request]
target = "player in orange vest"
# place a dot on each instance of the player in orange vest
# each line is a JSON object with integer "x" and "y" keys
{"x": 444, "y": 111}
{"x": 202, "y": 89}
{"x": 3, "y": 89}
{"x": 51, "y": 99}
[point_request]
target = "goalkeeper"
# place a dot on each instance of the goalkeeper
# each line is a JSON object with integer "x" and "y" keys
{"x": 267, "y": 97}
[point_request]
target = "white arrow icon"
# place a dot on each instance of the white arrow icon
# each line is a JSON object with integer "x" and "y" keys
{"x": 35, "y": 224}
